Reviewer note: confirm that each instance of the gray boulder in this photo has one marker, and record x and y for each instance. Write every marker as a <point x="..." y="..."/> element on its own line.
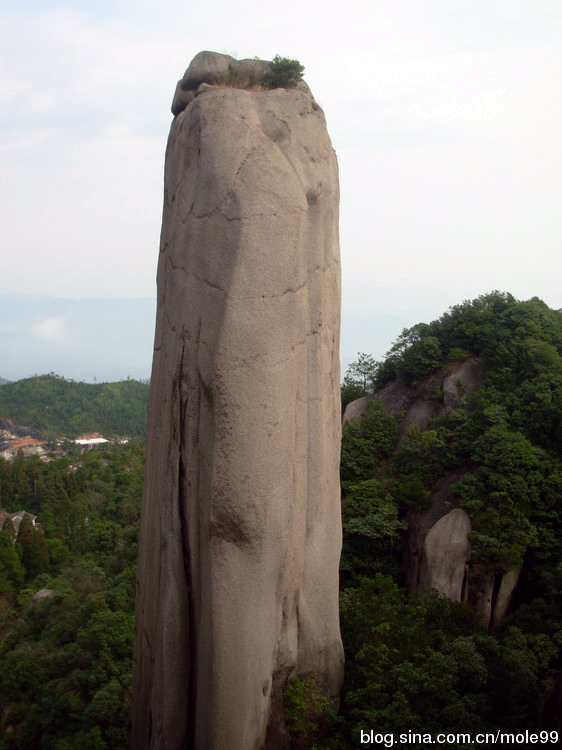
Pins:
<point x="355" y="408"/>
<point x="181" y="99"/>
<point x="241" y="530"/>
<point x="417" y="405"/>
<point x="252" y="69"/>
<point x="211" y="69"/>
<point x="207" y="67"/>
<point x="506" y="589"/>
<point x="464" y="381"/>
<point x="489" y="607"/>
<point x="446" y="552"/>
<point x="42" y="594"/>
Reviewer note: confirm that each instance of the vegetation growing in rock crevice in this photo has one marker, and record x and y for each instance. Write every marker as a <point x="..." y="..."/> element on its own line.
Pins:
<point x="308" y="713"/>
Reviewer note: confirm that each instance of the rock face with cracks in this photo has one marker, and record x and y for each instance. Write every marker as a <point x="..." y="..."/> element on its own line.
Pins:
<point x="240" y="532"/>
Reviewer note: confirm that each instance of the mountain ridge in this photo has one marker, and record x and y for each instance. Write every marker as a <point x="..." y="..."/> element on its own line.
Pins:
<point x="59" y="406"/>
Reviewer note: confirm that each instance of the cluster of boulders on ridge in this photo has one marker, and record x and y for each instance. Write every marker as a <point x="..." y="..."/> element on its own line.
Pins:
<point x="437" y="551"/>
<point x="209" y="70"/>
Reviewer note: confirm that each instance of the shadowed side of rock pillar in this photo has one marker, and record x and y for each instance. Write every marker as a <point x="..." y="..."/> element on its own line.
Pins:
<point x="240" y="531"/>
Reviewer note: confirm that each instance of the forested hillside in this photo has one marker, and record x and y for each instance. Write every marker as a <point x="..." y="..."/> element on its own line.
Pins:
<point x="416" y="661"/>
<point x="60" y="407"/>
<point x="66" y="658"/>
<point x="421" y="661"/>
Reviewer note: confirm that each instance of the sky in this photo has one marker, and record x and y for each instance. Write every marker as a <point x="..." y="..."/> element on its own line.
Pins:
<point x="445" y="116"/>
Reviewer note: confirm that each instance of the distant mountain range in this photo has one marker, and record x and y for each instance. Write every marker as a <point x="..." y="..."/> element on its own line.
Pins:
<point x="87" y="339"/>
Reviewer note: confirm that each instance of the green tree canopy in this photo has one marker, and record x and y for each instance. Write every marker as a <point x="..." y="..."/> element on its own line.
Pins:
<point x="284" y="73"/>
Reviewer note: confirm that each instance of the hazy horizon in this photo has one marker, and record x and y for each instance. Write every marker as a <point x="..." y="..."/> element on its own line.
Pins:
<point x="84" y="339"/>
<point x="445" y="118"/>
<point x="99" y="339"/>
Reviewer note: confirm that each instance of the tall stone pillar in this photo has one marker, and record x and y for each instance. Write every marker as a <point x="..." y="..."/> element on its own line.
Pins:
<point x="241" y="532"/>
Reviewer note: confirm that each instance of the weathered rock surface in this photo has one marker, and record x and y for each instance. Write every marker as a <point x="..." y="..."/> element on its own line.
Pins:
<point x="420" y="522"/>
<point x="355" y="408"/>
<point x="446" y="552"/>
<point x="417" y="405"/>
<point x="490" y="595"/>
<point x="464" y="381"/>
<point x="436" y="552"/>
<point x="508" y="584"/>
<point x="216" y="69"/>
<point x="241" y="531"/>
<point x="19" y="429"/>
<point x="42" y="594"/>
<point x="207" y="67"/>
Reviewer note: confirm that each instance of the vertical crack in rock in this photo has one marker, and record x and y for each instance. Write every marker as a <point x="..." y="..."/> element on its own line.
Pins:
<point x="241" y="530"/>
<point x="190" y="708"/>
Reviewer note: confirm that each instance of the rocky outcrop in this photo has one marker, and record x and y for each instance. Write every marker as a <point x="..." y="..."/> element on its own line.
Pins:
<point x="436" y="552"/>
<point x="446" y="552"/>
<point x="212" y="69"/>
<point x="490" y="595"/>
<point x="240" y="530"/>
<point x="465" y="380"/>
<point x="6" y="425"/>
<point x="440" y="392"/>
<point x="437" y="555"/>
<point x="9" y="434"/>
<point x="42" y="594"/>
<point x="420" y="523"/>
<point x="506" y="589"/>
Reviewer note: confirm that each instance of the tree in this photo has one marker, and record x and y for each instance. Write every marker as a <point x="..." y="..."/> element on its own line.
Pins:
<point x="421" y="358"/>
<point x="306" y="710"/>
<point x="361" y="374"/>
<point x="34" y="553"/>
<point x="284" y="73"/>
<point x="379" y="429"/>
<point x="367" y="511"/>
<point x="12" y="573"/>
<point x="499" y="496"/>
<point x="366" y="443"/>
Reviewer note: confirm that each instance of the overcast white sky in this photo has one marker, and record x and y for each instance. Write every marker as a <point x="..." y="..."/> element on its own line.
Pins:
<point x="445" y="115"/>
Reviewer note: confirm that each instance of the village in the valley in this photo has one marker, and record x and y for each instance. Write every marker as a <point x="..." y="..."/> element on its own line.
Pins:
<point x="15" y="438"/>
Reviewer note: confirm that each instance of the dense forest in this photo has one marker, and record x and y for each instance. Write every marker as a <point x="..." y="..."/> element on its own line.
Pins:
<point x="423" y="662"/>
<point x="66" y="658"/>
<point x="415" y="660"/>
<point x="60" y="407"/>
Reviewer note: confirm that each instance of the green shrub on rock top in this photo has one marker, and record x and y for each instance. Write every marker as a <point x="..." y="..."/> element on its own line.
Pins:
<point x="284" y="73"/>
